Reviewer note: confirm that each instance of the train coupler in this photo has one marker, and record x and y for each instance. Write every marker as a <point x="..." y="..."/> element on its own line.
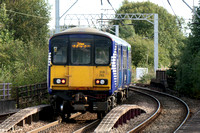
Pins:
<point x="100" y="106"/>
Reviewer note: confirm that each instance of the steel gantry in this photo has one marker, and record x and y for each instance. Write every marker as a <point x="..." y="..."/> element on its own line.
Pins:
<point x="103" y="20"/>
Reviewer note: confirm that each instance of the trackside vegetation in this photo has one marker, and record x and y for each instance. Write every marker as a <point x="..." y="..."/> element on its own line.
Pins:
<point x="188" y="68"/>
<point x="140" y="34"/>
<point x="178" y="52"/>
<point x="23" y="41"/>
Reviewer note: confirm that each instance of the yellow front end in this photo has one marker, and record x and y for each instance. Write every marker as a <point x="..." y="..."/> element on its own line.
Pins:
<point x="80" y="77"/>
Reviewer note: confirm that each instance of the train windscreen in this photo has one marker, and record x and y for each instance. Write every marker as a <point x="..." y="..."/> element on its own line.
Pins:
<point x="59" y="50"/>
<point x="81" y="49"/>
<point x="102" y="50"/>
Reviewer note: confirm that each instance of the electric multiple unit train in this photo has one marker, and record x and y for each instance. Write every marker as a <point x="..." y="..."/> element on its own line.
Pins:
<point x="88" y="70"/>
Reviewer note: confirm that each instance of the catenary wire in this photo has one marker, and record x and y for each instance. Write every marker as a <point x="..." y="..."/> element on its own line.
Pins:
<point x="174" y="13"/>
<point x="24" y="14"/>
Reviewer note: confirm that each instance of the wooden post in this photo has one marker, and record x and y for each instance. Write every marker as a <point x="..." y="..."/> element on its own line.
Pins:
<point x="4" y="89"/>
<point x="17" y="93"/>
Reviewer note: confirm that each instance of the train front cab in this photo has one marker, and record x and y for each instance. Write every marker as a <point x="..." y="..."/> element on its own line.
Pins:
<point x="80" y="72"/>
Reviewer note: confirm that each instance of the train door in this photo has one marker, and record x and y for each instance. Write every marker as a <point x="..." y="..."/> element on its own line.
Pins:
<point x="80" y="69"/>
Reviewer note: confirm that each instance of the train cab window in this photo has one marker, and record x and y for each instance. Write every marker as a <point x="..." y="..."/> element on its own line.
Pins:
<point x="59" y="50"/>
<point x="81" y="47"/>
<point x="101" y="55"/>
<point x="80" y="53"/>
<point x="102" y="50"/>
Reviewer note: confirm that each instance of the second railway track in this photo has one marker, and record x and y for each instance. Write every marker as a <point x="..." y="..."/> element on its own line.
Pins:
<point x="173" y="115"/>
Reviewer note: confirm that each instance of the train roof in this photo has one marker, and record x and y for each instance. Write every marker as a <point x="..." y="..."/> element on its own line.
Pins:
<point x="79" y="30"/>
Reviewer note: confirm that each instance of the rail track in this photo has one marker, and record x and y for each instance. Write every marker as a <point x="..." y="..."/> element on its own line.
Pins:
<point x="51" y="125"/>
<point x="174" y="112"/>
<point x="115" y="117"/>
<point x="168" y="115"/>
<point x="151" y="118"/>
<point x="106" y="125"/>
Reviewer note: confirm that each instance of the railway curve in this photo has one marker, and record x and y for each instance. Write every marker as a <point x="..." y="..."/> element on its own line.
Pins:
<point x="174" y="114"/>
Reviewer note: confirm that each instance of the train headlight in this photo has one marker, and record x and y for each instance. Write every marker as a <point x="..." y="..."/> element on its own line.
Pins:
<point x="101" y="81"/>
<point x="59" y="81"/>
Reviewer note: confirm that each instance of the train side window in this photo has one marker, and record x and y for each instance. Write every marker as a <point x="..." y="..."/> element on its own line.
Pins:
<point x="129" y="59"/>
<point x="119" y="53"/>
<point x="124" y="58"/>
<point x="59" y="50"/>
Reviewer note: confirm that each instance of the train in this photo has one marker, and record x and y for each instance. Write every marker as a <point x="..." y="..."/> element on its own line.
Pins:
<point x="88" y="70"/>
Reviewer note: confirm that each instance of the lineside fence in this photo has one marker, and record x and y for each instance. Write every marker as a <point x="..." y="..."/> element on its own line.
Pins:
<point x="31" y="95"/>
<point x="5" y="91"/>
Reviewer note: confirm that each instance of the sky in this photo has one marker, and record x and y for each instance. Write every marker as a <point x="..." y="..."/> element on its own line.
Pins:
<point x="94" y="7"/>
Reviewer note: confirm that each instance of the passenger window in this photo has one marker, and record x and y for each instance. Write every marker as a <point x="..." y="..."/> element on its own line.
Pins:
<point x="125" y="59"/>
<point x="129" y="58"/>
<point x="119" y="57"/>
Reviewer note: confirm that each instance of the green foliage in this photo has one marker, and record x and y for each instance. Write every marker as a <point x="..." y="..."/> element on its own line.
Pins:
<point x="26" y="65"/>
<point x="29" y="20"/>
<point x="23" y="42"/>
<point x="142" y="51"/>
<point x="30" y="66"/>
<point x="188" y="70"/>
<point x="170" y="35"/>
<point x="146" y="79"/>
<point x="5" y="34"/>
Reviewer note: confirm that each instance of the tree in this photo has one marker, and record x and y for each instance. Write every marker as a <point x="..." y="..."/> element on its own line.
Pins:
<point x="5" y="36"/>
<point x="29" y="20"/>
<point x="170" y="35"/>
<point x="23" y="41"/>
<point x="142" y="51"/>
<point x="188" y="69"/>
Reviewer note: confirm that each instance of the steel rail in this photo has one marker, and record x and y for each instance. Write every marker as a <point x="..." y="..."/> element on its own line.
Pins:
<point x="183" y="102"/>
<point x="89" y="126"/>
<point x="55" y="123"/>
<point x="142" y="125"/>
<point x="52" y="124"/>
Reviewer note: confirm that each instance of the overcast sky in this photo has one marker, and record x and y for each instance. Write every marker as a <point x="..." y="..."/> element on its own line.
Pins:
<point x="94" y="7"/>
